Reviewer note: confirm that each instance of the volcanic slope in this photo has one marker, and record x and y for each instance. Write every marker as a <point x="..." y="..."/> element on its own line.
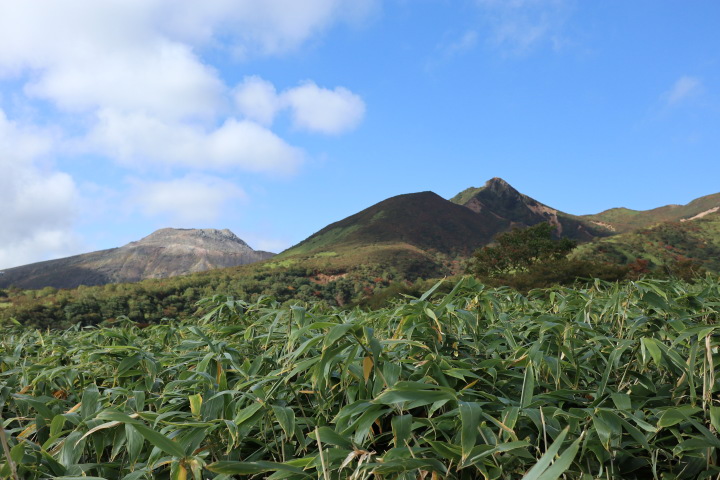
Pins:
<point x="499" y="198"/>
<point x="164" y="253"/>
<point x="402" y="231"/>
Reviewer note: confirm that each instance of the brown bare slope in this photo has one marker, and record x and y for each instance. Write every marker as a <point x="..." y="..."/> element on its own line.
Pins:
<point x="164" y="253"/>
<point x="423" y="220"/>
<point x="497" y="197"/>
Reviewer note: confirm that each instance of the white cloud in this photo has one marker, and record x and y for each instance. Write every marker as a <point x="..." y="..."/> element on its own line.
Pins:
<point x="140" y="140"/>
<point x="141" y="55"/>
<point x="274" y="26"/>
<point x="186" y="202"/>
<point x="133" y="68"/>
<point x="322" y="110"/>
<point x="39" y="204"/>
<point x="520" y="25"/>
<point x="257" y="100"/>
<point x="312" y="108"/>
<point x="684" y="88"/>
<point x="135" y="76"/>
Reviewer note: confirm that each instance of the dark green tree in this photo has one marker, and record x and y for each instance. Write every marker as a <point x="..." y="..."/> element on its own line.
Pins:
<point x="518" y="250"/>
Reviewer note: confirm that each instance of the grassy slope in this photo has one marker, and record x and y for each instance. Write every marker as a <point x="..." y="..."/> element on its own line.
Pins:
<point x="663" y="244"/>
<point x="421" y="226"/>
<point x="625" y="220"/>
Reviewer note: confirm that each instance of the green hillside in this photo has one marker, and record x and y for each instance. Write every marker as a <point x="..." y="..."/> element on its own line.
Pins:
<point x="623" y="220"/>
<point x="392" y="247"/>
<point x="663" y="245"/>
<point x="423" y="220"/>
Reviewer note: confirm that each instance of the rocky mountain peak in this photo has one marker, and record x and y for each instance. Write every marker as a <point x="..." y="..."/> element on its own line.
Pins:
<point x="164" y="253"/>
<point x="500" y="187"/>
<point x="191" y="236"/>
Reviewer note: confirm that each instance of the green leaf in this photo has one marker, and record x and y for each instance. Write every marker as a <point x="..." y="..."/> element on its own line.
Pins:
<point x="469" y="422"/>
<point x="161" y="441"/>
<point x="336" y="333"/>
<point x="134" y="443"/>
<point x="18" y="452"/>
<point x="83" y="477"/>
<point x="250" y="468"/>
<point x="561" y="464"/>
<point x="247" y="413"/>
<point x="673" y="416"/>
<point x="286" y="418"/>
<point x="115" y="416"/>
<point x="330" y="436"/>
<point x="715" y="417"/>
<point x="651" y="345"/>
<point x="528" y="386"/>
<point x="90" y="399"/>
<point x="535" y="473"/>
<point x="416" y="393"/>
<point x="401" y="427"/>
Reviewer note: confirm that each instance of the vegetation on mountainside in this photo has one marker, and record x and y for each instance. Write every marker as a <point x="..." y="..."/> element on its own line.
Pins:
<point x="669" y="247"/>
<point x="151" y="301"/>
<point x="532" y="258"/>
<point x="610" y="381"/>
<point x="423" y="221"/>
<point x="623" y="220"/>
<point x="519" y="250"/>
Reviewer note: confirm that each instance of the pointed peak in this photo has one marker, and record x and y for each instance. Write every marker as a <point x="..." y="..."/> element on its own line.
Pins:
<point x="497" y="181"/>
<point x="497" y="184"/>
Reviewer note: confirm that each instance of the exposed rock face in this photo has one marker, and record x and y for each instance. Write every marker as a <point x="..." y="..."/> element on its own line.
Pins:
<point x="499" y="198"/>
<point x="165" y="253"/>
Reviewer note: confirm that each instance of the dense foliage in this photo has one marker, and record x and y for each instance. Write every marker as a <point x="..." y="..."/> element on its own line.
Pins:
<point x="518" y="250"/>
<point x="678" y="248"/>
<point x="610" y="381"/>
<point x="152" y="301"/>
<point x="533" y="258"/>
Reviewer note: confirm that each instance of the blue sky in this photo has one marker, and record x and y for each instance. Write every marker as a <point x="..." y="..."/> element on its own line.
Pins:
<point x="276" y="118"/>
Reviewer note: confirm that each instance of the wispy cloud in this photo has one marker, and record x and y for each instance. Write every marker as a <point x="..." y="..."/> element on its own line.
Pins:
<point x="685" y="88"/>
<point x="466" y="42"/>
<point x="451" y="47"/>
<point x="188" y="202"/>
<point x="518" y="26"/>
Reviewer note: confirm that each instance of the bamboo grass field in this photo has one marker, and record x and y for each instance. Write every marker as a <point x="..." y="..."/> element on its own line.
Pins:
<point x="608" y="381"/>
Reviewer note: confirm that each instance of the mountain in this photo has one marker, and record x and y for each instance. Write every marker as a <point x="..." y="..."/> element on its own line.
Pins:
<point x="419" y="232"/>
<point x="500" y="199"/>
<point x="164" y="253"/>
<point x="424" y="234"/>
<point x="695" y="239"/>
<point x="622" y="220"/>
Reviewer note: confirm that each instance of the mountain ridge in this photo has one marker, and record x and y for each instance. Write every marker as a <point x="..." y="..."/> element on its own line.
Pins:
<point x="164" y="253"/>
<point x="417" y="234"/>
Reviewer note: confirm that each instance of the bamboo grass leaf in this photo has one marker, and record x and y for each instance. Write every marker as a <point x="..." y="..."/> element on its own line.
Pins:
<point x="160" y="441"/>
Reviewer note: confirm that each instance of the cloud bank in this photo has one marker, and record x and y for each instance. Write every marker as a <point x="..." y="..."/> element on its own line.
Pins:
<point x="135" y="78"/>
<point x="39" y="204"/>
